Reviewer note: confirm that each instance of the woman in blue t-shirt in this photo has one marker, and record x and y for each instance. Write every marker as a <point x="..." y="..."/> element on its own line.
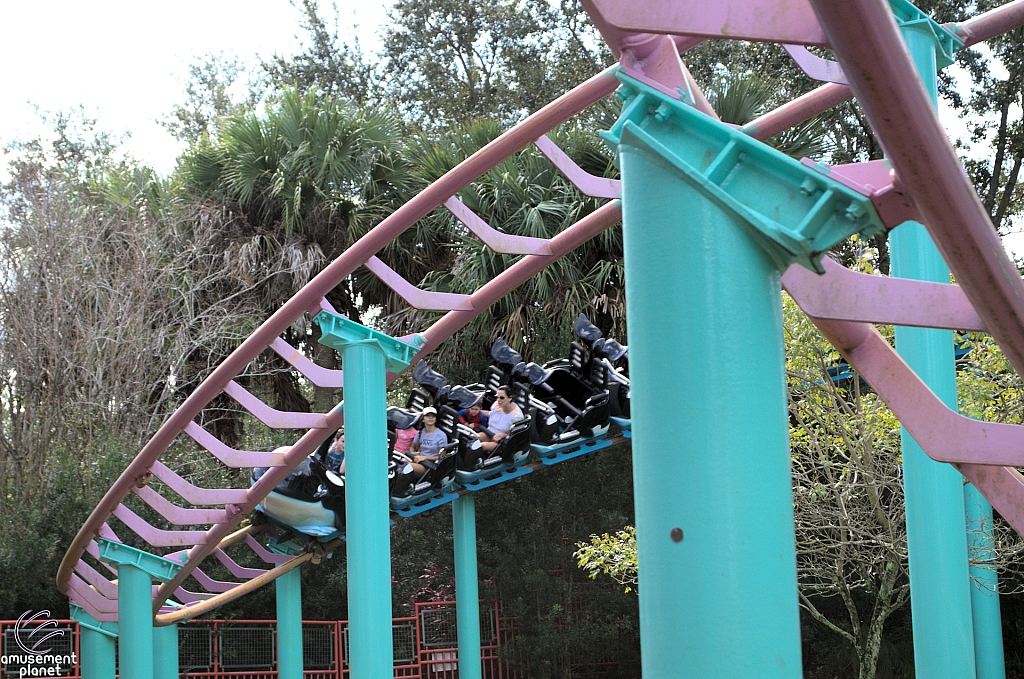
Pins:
<point x="427" y="444"/>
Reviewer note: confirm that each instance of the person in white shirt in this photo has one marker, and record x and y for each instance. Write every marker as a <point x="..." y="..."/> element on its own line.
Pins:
<point x="503" y="414"/>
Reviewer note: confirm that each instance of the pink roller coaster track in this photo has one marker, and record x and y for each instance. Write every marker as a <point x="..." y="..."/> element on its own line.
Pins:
<point x="925" y="183"/>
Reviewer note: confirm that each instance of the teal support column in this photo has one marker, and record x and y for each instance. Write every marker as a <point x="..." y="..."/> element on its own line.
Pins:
<point x="96" y="645"/>
<point x="467" y="592"/>
<point x="714" y="510"/>
<point x="136" y="571"/>
<point x="165" y="652"/>
<point x="710" y="218"/>
<point x="135" y="622"/>
<point x="365" y="356"/>
<point x="940" y="587"/>
<point x="97" y="651"/>
<point x="988" y="625"/>
<point x="288" y="590"/>
<point x="367" y="514"/>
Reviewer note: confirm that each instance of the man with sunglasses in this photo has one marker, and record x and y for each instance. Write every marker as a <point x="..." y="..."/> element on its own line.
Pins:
<point x="503" y="414"/>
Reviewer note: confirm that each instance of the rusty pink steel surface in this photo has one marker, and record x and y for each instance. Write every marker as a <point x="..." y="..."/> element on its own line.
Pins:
<point x="782" y="21"/>
<point x="799" y="110"/>
<point x="492" y="238"/>
<point x="841" y="294"/>
<point x="876" y="180"/>
<point x="321" y="377"/>
<point x="591" y="185"/>
<point x="990" y="24"/>
<point x="814" y="66"/>
<point x="867" y="42"/>
<point x="417" y="298"/>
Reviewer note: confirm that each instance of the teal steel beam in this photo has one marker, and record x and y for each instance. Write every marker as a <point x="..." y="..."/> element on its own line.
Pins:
<point x="367" y="514"/>
<point x="940" y="588"/>
<point x="988" y="626"/>
<point x="710" y="219"/>
<point x="135" y="622"/>
<point x="97" y="650"/>
<point x="714" y="508"/>
<point x="288" y="593"/>
<point x="366" y="355"/>
<point x="165" y="652"/>
<point x="467" y="592"/>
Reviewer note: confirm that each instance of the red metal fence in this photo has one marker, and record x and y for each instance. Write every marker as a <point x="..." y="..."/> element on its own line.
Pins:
<point x="425" y="646"/>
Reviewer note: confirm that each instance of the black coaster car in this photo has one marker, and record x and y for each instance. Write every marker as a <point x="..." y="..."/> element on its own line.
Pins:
<point x="311" y="499"/>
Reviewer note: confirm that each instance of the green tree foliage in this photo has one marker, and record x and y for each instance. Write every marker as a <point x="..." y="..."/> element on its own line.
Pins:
<point x="307" y="178"/>
<point x="327" y="63"/>
<point x="209" y="97"/>
<point x="454" y="60"/>
<point x="611" y="554"/>
<point x="115" y="303"/>
<point x="993" y="107"/>
<point x="310" y="163"/>
<point x="526" y="196"/>
<point x="848" y="495"/>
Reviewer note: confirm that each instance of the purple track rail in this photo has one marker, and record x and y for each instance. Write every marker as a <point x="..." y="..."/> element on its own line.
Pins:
<point x="927" y="184"/>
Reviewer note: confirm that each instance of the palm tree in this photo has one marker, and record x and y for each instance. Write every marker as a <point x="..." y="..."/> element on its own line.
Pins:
<point x="739" y="98"/>
<point x="307" y="177"/>
<point x="526" y="196"/>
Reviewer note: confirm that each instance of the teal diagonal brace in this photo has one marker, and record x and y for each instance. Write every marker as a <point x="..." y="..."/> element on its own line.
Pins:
<point x="946" y="42"/>
<point x="339" y="332"/>
<point x="119" y="554"/>
<point x="79" y="615"/>
<point x="795" y="213"/>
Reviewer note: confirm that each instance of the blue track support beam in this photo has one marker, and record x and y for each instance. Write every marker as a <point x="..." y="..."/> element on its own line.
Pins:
<point x="711" y="472"/>
<point x="288" y="592"/>
<point x="988" y="626"/>
<point x="365" y="356"/>
<point x="467" y="592"/>
<point x="367" y="514"/>
<point x="165" y="652"/>
<point x="136" y="571"/>
<point x="97" y="649"/>
<point x="135" y="622"/>
<point x="940" y="587"/>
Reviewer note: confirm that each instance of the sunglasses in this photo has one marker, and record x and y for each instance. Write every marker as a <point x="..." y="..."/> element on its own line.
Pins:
<point x="500" y="398"/>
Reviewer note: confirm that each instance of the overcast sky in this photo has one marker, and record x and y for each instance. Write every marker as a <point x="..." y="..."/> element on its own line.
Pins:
<point x="125" y="61"/>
